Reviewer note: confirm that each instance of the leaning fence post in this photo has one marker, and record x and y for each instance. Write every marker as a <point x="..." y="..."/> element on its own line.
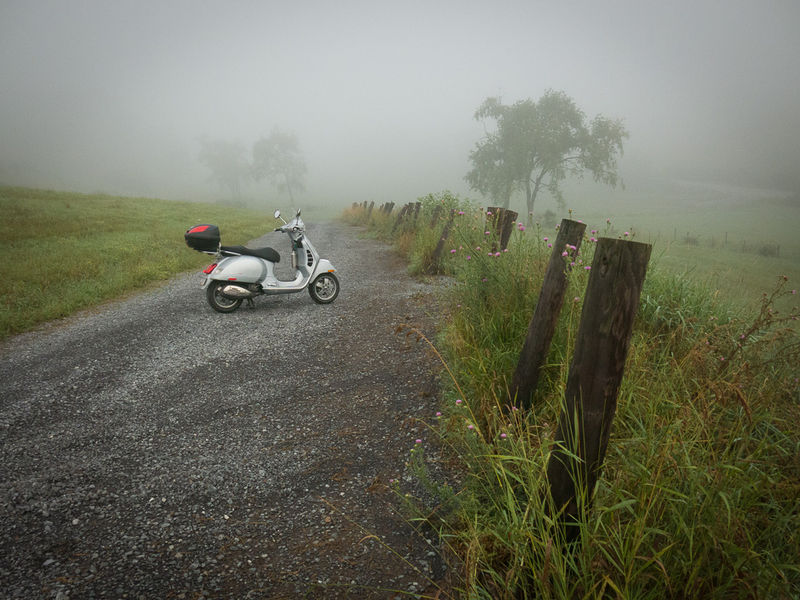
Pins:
<point x="543" y="323"/>
<point x="433" y="266"/>
<point x="502" y="220"/>
<point x="400" y="216"/>
<point x="437" y="211"/>
<point x="504" y="226"/>
<point x="590" y="399"/>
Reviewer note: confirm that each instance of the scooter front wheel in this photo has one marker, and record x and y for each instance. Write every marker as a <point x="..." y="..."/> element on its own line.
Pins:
<point x="218" y="301"/>
<point x="324" y="288"/>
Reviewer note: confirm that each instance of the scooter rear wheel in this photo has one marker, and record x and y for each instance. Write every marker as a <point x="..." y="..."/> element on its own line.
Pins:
<point x="220" y="302"/>
<point x="324" y="288"/>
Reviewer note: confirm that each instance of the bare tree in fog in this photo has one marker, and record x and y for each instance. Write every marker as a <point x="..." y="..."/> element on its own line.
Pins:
<point x="535" y="145"/>
<point x="278" y="159"/>
<point x="227" y="163"/>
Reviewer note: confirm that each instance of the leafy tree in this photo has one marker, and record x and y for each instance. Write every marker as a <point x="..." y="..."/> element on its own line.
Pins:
<point x="227" y="163"/>
<point x="278" y="158"/>
<point x="535" y="145"/>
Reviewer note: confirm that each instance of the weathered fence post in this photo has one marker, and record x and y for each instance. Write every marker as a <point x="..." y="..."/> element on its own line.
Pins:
<point x="502" y="220"/>
<point x="437" y="211"/>
<point x="543" y="324"/>
<point x="400" y="216"/>
<point x="590" y="398"/>
<point x="433" y="267"/>
<point x="417" y="206"/>
<point x="505" y="224"/>
<point x="369" y="208"/>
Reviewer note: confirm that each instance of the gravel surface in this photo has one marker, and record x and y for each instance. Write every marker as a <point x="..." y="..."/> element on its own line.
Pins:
<point x="154" y="448"/>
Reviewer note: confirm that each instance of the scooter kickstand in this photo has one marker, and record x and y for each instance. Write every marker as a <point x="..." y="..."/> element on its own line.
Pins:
<point x="250" y="303"/>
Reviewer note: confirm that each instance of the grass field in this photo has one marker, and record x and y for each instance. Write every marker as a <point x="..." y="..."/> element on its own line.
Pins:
<point x="699" y="495"/>
<point x="63" y="252"/>
<point x="736" y="241"/>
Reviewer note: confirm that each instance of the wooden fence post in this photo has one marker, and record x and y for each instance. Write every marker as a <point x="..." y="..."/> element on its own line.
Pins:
<point x="433" y="267"/>
<point x="590" y="401"/>
<point x="543" y="323"/>
<point x="369" y="208"/>
<point x="505" y="224"/>
<point x="400" y="216"/>
<point x="502" y="220"/>
<point x="437" y="211"/>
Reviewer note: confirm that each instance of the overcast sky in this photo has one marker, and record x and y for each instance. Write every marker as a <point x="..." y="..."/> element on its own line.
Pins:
<point x="114" y="95"/>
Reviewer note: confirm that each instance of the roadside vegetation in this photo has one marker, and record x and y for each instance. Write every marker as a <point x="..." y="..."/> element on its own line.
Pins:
<point x="699" y="495"/>
<point x="63" y="252"/>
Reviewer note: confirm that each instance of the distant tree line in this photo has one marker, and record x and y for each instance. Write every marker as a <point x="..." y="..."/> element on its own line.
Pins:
<point x="276" y="158"/>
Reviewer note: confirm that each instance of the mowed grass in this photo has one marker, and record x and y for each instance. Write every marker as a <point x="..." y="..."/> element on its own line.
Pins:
<point x="63" y="252"/>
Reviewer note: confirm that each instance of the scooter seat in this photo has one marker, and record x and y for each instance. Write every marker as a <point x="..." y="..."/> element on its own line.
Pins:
<point x="266" y="253"/>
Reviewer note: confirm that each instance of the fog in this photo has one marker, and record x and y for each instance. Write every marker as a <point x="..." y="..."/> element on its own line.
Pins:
<point x="116" y="96"/>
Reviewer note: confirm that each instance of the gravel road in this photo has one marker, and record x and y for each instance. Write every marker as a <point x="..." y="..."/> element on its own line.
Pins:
<point x="154" y="448"/>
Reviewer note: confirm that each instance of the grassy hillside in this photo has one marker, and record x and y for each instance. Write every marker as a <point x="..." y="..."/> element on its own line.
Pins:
<point x="699" y="496"/>
<point x="63" y="252"/>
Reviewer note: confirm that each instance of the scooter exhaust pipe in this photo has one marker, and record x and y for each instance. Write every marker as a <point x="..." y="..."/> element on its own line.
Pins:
<point x="236" y="291"/>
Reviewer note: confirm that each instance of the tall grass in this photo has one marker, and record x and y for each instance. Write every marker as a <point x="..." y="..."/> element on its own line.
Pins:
<point x="63" y="252"/>
<point x="700" y="491"/>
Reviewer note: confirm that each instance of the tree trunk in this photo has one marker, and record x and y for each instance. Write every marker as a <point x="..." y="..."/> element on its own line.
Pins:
<point x="531" y="195"/>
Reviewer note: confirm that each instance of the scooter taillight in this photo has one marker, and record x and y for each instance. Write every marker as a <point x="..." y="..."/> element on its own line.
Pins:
<point x="210" y="268"/>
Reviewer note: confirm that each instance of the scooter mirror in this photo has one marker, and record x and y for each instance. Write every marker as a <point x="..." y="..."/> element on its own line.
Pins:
<point x="298" y="212"/>
<point x="277" y="214"/>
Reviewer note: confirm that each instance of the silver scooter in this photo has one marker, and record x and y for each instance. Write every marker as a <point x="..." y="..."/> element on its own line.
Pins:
<point x="239" y="273"/>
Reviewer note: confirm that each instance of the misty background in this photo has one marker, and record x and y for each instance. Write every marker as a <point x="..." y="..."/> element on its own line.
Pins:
<point x="116" y="96"/>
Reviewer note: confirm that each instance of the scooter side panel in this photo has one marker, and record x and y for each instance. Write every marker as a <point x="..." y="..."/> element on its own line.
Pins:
<point x="245" y="269"/>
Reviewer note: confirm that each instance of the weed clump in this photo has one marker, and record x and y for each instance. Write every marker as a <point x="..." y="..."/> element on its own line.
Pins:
<point x="699" y="492"/>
